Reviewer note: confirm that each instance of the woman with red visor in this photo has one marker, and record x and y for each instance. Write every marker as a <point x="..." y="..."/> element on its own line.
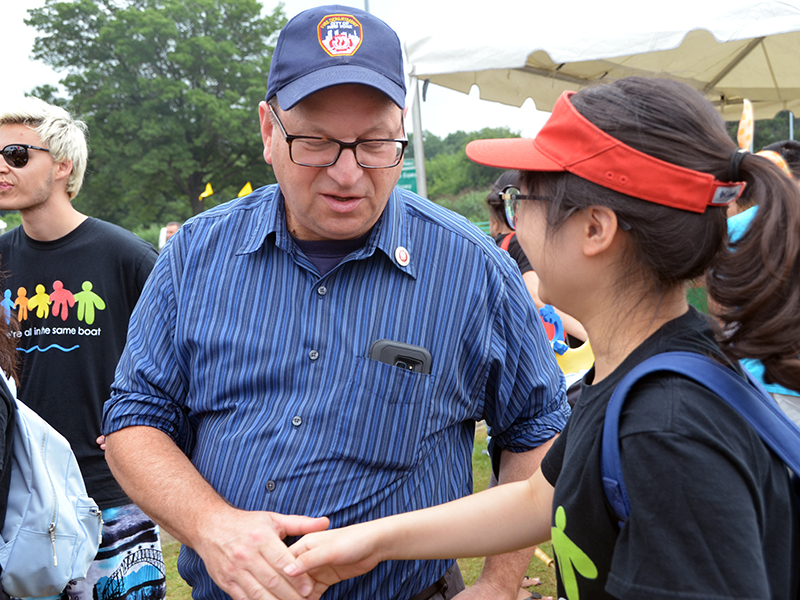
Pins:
<point x="622" y="201"/>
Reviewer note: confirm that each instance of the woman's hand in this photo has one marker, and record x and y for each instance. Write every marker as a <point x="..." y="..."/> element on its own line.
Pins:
<point x="338" y="554"/>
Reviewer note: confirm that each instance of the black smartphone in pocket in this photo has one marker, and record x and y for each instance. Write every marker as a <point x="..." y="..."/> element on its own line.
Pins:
<point x="403" y="356"/>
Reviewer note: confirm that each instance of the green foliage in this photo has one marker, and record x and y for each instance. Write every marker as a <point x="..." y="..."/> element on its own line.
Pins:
<point x="470" y="203"/>
<point x="447" y="167"/>
<point x="765" y="131"/>
<point x="149" y="233"/>
<point x="12" y="219"/>
<point x="169" y="90"/>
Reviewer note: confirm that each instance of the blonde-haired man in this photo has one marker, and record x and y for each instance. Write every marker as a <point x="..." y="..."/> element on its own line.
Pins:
<point x="73" y="281"/>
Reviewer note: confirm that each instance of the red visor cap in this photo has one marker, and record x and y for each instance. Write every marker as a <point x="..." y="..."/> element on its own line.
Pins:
<point x="570" y="142"/>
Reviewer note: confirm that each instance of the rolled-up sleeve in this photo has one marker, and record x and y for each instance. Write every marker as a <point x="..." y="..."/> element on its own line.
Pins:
<point x="150" y="383"/>
<point x="525" y="401"/>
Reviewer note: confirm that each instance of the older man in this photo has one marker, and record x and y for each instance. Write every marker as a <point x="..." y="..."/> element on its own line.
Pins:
<point x="324" y="346"/>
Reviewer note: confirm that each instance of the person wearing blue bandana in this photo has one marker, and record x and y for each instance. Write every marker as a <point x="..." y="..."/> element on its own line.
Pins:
<point x="324" y="346"/>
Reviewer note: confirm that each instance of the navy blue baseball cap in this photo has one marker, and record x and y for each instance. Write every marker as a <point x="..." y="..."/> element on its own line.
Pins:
<point x="334" y="45"/>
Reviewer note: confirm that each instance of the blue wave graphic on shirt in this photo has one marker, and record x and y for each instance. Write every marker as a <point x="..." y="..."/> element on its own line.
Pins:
<point x="32" y="348"/>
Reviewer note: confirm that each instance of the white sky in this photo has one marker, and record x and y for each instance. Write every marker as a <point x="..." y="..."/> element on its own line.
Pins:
<point x="444" y="111"/>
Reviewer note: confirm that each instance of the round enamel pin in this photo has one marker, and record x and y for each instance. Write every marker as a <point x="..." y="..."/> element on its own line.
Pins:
<point x="402" y="257"/>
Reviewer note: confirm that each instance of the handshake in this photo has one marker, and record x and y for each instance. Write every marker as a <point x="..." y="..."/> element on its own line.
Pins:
<point x="255" y="564"/>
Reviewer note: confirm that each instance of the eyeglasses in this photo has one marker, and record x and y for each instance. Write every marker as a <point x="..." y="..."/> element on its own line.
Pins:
<point x="16" y="155"/>
<point x="510" y="195"/>
<point x="310" y="151"/>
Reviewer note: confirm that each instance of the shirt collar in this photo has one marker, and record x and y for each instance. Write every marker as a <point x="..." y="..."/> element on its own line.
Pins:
<point x="391" y="234"/>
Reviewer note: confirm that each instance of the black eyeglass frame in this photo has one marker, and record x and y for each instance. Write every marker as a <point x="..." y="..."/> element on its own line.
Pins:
<point x="342" y="145"/>
<point x="511" y="195"/>
<point x="6" y="154"/>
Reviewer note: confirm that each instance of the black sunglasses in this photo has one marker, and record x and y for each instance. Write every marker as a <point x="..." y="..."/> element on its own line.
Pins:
<point x="16" y="155"/>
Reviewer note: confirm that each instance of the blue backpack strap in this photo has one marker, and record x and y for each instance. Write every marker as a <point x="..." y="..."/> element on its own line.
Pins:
<point x="779" y="432"/>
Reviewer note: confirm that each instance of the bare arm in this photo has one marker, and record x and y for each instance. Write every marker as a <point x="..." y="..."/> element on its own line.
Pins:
<point x="502" y="575"/>
<point x="242" y="550"/>
<point x="518" y="512"/>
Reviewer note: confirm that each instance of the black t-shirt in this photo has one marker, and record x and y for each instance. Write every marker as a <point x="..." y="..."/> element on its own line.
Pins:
<point x="516" y="252"/>
<point x="73" y="298"/>
<point x="711" y="514"/>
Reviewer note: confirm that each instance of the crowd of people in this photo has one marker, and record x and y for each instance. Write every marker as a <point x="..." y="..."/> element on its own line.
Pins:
<point x="290" y="386"/>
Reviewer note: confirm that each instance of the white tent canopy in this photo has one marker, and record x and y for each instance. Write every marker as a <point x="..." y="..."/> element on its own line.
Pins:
<point x="729" y="50"/>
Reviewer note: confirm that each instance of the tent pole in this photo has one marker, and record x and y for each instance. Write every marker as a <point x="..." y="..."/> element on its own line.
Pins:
<point x="419" y="145"/>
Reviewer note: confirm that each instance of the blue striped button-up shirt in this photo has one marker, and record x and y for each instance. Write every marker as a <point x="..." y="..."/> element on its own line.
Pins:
<point x="258" y="369"/>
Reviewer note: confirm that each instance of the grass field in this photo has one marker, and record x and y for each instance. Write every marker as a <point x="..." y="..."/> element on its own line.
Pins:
<point x="177" y="589"/>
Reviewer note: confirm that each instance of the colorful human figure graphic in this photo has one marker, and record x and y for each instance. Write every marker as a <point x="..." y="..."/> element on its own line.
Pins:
<point x="88" y="301"/>
<point x="22" y="303"/>
<point x="41" y="302"/>
<point x="570" y="558"/>
<point x="8" y="305"/>
<point x="61" y="299"/>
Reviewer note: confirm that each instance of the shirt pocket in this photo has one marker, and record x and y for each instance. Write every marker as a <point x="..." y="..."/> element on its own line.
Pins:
<point x="383" y="415"/>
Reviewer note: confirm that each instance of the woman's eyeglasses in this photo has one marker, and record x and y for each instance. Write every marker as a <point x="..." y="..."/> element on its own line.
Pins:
<point x="16" y="155"/>
<point x="511" y="196"/>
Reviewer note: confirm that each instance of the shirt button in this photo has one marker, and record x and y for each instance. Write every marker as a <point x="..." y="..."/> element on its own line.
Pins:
<point x="270" y="485"/>
<point x="313" y="355"/>
<point x="297" y="421"/>
<point x="322" y="290"/>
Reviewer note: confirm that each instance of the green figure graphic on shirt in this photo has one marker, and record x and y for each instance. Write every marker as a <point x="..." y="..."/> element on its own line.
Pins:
<point x="570" y="558"/>
<point x="41" y="302"/>
<point x="88" y="301"/>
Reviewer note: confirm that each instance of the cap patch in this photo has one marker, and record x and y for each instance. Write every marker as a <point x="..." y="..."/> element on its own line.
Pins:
<point x="340" y="35"/>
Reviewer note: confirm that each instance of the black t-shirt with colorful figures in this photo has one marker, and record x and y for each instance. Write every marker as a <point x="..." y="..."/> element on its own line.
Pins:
<point x="73" y="298"/>
<point x="710" y="512"/>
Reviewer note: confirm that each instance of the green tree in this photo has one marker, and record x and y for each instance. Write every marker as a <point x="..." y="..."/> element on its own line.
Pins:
<point x="169" y="90"/>
<point x="448" y="169"/>
<point x="766" y="131"/>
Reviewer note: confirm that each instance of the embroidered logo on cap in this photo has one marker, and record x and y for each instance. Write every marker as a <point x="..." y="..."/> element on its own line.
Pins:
<point x="340" y="35"/>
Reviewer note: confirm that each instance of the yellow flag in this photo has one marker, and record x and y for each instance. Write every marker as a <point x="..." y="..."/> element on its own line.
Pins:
<point x="746" y="126"/>
<point x="247" y="189"/>
<point x="208" y="191"/>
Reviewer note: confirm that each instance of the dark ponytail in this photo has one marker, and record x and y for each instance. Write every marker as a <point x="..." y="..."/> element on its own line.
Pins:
<point x="757" y="283"/>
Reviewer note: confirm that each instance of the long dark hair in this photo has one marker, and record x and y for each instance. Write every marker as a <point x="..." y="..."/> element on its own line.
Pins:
<point x="757" y="280"/>
<point x="8" y="346"/>
<point x="496" y="205"/>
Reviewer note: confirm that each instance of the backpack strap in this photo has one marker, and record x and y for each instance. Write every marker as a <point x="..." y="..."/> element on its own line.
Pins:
<point x="751" y="401"/>
<point x="507" y="241"/>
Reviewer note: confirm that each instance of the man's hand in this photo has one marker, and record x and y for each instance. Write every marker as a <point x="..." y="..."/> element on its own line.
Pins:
<point x="244" y="554"/>
<point x="485" y="591"/>
<point x="482" y="591"/>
